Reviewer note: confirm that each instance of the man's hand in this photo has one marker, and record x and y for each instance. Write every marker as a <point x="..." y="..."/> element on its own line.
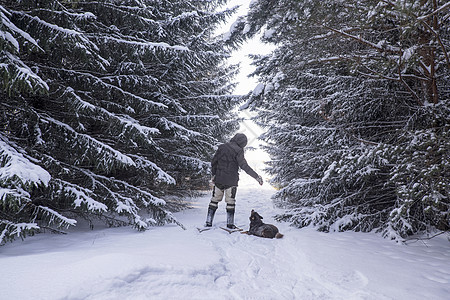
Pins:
<point x="260" y="180"/>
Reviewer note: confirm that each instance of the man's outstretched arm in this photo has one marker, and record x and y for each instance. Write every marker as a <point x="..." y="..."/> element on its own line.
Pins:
<point x="242" y="162"/>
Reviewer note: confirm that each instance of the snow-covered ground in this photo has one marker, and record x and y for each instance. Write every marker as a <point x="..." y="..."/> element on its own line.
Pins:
<point x="172" y="263"/>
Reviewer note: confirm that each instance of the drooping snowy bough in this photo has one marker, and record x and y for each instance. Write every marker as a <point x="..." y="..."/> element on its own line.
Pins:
<point x="356" y="102"/>
<point x="108" y="107"/>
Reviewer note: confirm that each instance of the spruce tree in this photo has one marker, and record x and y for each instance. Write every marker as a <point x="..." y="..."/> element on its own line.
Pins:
<point x="108" y="108"/>
<point x="355" y="104"/>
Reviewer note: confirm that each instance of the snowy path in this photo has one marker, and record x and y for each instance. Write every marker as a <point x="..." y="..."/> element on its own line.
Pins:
<point x="171" y="263"/>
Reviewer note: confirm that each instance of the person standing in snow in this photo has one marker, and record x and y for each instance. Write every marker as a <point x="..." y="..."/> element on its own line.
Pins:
<point x="225" y="176"/>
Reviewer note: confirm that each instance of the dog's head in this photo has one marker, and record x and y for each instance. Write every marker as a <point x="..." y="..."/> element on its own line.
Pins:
<point x="255" y="217"/>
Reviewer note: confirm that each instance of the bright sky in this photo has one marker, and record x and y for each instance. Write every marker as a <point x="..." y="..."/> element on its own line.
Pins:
<point x="246" y="84"/>
<point x="253" y="46"/>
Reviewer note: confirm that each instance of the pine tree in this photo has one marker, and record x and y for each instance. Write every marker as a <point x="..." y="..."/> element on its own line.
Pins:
<point x="346" y="102"/>
<point x="108" y="107"/>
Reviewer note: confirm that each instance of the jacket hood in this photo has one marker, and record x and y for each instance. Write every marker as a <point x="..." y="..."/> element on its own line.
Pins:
<point x="240" y="139"/>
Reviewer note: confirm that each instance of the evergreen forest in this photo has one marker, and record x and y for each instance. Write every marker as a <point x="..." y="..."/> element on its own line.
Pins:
<point x="356" y="105"/>
<point x="111" y="110"/>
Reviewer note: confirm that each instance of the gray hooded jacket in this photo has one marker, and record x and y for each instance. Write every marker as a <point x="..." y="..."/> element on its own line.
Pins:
<point x="227" y="160"/>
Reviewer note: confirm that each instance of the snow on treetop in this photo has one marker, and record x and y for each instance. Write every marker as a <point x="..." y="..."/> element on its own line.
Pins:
<point x="253" y="2"/>
<point x="227" y="35"/>
<point x="258" y="89"/>
<point x="269" y="33"/>
<point x="184" y="15"/>
<point x="246" y="29"/>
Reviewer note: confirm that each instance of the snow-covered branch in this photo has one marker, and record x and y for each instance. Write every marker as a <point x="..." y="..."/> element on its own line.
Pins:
<point x="20" y="76"/>
<point x="91" y="144"/>
<point x="96" y="80"/>
<point x="14" y="29"/>
<point x="15" y="165"/>
<point x="443" y="8"/>
<point x="380" y="47"/>
<point x="126" y="121"/>
<point x="135" y="95"/>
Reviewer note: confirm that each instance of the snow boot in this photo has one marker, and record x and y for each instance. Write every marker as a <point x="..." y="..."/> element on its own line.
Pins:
<point x="230" y="219"/>
<point x="210" y="216"/>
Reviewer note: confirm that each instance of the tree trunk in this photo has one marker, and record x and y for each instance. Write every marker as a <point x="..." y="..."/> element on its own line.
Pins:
<point x="428" y="54"/>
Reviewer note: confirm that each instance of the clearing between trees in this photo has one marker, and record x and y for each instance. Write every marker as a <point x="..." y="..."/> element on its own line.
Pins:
<point x="172" y="263"/>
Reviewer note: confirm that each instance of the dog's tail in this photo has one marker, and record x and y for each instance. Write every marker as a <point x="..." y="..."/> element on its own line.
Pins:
<point x="279" y="235"/>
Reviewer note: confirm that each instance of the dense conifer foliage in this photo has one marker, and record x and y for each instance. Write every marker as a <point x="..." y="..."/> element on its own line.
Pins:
<point x="356" y="103"/>
<point x="107" y="108"/>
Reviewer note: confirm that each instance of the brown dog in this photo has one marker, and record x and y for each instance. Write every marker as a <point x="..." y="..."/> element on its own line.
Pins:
<point x="258" y="228"/>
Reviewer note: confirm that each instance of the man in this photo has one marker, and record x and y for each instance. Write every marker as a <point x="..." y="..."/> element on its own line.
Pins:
<point x="225" y="176"/>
